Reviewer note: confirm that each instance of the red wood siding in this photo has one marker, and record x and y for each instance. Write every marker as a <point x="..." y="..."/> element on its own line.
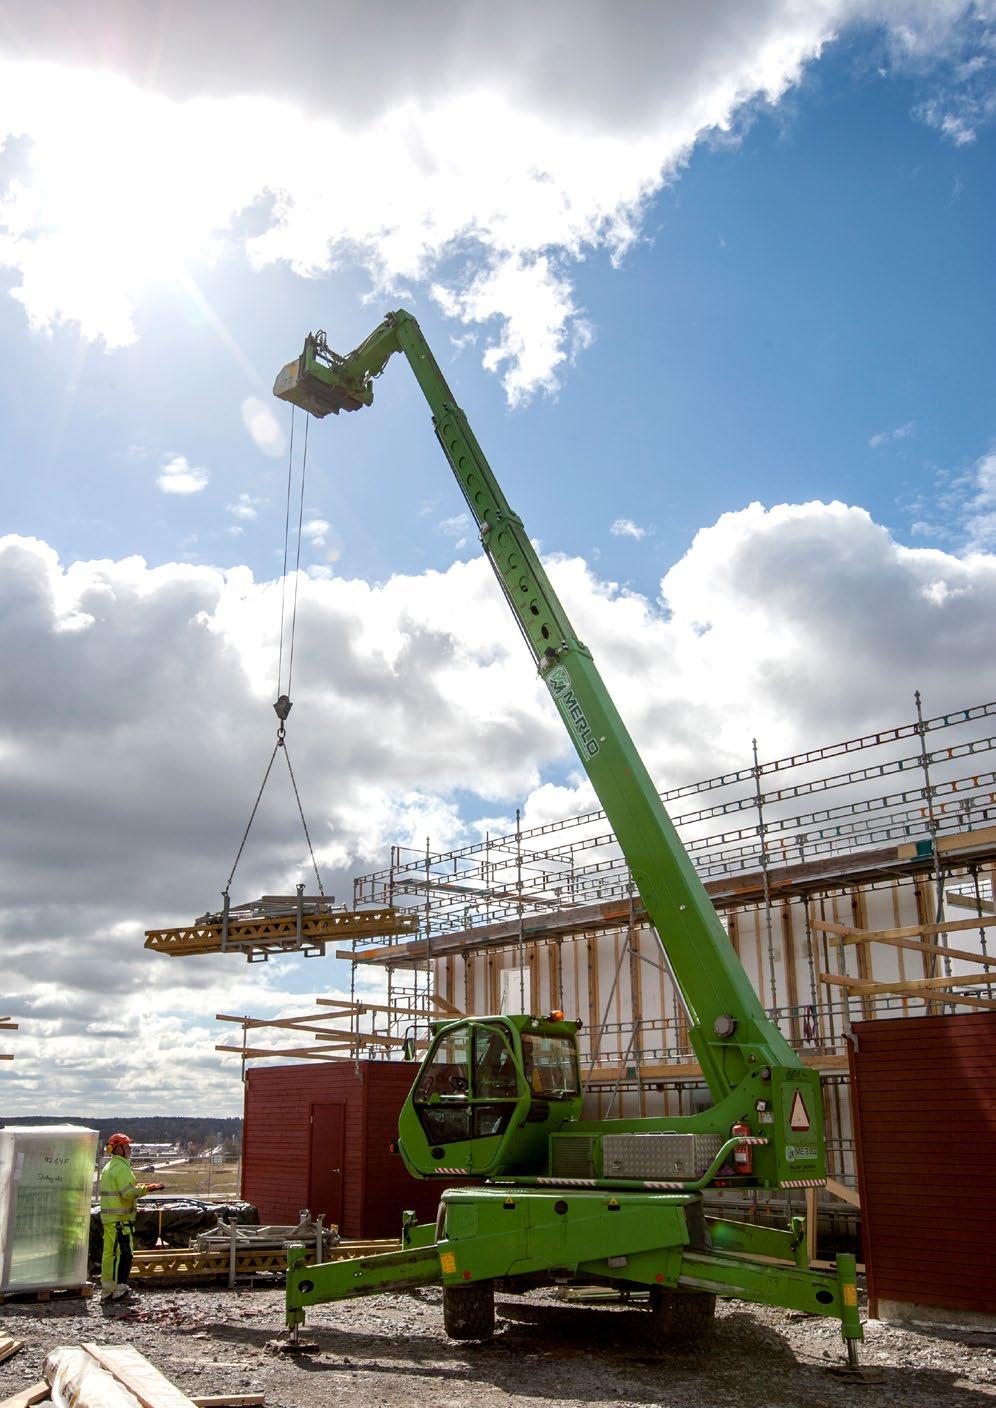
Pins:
<point x="276" y="1144"/>
<point x="389" y="1189"/>
<point x="925" y="1114"/>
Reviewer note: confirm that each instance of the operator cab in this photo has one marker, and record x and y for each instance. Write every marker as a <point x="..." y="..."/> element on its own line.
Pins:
<point x="489" y="1093"/>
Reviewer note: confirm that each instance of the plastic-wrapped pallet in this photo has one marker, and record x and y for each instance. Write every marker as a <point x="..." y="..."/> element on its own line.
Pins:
<point x="46" y="1185"/>
<point x="78" y="1381"/>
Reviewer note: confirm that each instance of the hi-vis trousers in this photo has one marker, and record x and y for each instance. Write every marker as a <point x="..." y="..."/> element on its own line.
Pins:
<point x="119" y="1243"/>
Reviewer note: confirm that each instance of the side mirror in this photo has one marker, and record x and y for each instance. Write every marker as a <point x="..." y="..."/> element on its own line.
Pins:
<point x="409" y="1048"/>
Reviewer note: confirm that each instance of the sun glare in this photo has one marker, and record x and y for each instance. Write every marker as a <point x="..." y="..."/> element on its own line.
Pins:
<point x="120" y="189"/>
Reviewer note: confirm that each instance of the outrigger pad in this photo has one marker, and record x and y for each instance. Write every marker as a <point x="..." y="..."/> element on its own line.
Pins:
<point x="289" y="1346"/>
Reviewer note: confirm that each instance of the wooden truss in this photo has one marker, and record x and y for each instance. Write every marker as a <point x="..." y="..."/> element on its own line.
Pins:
<point x="259" y="936"/>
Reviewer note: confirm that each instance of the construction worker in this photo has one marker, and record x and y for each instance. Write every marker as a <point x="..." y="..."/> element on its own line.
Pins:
<point x="119" y="1193"/>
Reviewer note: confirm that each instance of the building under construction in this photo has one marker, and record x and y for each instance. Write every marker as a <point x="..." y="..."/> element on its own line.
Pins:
<point x="855" y="881"/>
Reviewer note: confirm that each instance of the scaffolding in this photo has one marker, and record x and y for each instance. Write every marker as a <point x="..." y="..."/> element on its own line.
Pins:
<point x="917" y="781"/>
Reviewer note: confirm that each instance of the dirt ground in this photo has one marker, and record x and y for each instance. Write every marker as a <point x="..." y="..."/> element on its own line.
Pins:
<point x="389" y="1351"/>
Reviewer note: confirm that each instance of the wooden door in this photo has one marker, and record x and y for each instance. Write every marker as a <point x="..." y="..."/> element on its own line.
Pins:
<point x="325" y="1184"/>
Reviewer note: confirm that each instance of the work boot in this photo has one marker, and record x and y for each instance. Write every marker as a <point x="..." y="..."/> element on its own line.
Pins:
<point x="108" y="1289"/>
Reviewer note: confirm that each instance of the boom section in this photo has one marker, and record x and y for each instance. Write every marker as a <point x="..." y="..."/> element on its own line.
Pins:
<point x="729" y="1032"/>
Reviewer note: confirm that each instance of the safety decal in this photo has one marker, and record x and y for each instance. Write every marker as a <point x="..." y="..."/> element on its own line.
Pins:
<point x="799" y="1115"/>
<point x="448" y="1262"/>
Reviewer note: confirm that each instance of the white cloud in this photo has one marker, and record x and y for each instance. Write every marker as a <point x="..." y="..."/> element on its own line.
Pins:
<point x="246" y="507"/>
<point x="494" y="161"/>
<point x="316" y="531"/>
<point x="456" y="526"/>
<point x="626" y="528"/>
<point x="960" y="508"/>
<point x="264" y="428"/>
<point x="887" y="437"/>
<point x="980" y="515"/>
<point x="177" y="476"/>
<point x="408" y="694"/>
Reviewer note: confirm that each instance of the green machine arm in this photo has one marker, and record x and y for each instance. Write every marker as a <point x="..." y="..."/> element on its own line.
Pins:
<point x="729" y="1031"/>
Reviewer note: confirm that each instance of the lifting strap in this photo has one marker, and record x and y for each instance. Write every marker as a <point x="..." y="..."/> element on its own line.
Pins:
<point x="283" y="704"/>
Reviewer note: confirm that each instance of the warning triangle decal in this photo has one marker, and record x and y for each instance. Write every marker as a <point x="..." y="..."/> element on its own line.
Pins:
<point x="799" y="1117"/>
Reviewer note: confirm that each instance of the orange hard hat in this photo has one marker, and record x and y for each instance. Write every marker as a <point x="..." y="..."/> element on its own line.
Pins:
<point x="118" y="1141"/>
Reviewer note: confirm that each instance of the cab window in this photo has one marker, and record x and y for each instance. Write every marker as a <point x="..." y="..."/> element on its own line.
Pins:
<point x="447" y="1072"/>
<point x="550" y="1065"/>
<point x="494" y="1066"/>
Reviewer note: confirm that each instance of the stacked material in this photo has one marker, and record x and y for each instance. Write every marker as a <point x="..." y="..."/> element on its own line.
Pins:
<point x="46" y="1183"/>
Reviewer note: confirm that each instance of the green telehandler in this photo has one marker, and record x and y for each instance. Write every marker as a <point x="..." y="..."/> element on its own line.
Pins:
<point x="562" y="1199"/>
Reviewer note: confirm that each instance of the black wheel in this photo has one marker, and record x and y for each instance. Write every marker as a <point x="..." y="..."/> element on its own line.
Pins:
<point x="680" y="1317"/>
<point x="469" y="1311"/>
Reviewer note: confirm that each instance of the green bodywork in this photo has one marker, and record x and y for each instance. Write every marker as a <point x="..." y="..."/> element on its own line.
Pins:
<point x="626" y="1230"/>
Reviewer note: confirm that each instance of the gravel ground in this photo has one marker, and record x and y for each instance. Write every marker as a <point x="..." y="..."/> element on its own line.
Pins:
<point x="391" y="1350"/>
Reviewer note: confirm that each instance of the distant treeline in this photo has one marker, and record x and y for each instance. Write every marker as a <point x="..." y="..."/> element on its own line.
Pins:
<point x="195" y="1131"/>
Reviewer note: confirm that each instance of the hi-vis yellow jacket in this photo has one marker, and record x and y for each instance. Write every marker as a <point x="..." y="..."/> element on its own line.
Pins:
<point x="119" y="1191"/>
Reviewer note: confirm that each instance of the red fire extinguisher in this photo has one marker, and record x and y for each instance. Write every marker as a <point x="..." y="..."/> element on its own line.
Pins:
<point x="743" y="1154"/>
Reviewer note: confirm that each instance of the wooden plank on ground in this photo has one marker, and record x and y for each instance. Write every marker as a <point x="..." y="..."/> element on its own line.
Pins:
<point x="9" y="1347"/>
<point x="131" y="1368"/>
<point x="27" y="1396"/>
<point x="229" y="1400"/>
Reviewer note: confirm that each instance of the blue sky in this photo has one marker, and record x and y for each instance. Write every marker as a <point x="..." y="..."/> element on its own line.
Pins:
<point x="820" y="279"/>
<point x="722" y="258"/>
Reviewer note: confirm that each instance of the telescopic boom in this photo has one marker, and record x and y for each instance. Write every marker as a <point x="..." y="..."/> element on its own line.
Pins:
<point x="731" y="1036"/>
